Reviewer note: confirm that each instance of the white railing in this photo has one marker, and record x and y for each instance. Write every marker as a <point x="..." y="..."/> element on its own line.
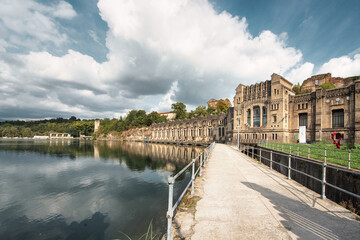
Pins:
<point x="203" y="157"/>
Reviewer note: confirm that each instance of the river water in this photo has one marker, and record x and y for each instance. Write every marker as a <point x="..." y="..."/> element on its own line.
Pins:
<point x="86" y="190"/>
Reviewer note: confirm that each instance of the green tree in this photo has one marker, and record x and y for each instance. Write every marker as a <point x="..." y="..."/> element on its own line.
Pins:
<point x="297" y="88"/>
<point x="211" y="110"/>
<point x="222" y="106"/>
<point x="179" y="109"/>
<point x="200" y="111"/>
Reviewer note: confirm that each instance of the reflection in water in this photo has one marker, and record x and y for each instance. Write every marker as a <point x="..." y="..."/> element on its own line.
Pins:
<point x="52" y="189"/>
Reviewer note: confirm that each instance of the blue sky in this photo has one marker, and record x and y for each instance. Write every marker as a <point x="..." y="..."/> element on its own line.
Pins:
<point x="102" y="58"/>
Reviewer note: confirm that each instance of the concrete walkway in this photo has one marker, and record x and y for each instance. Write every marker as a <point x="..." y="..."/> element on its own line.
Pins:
<point x="242" y="199"/>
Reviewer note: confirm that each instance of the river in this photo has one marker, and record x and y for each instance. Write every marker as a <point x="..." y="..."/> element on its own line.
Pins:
<point x="86" y="190"/>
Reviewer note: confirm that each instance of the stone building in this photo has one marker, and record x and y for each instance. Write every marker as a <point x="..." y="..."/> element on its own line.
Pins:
<point x="270" y="111"/>
<point x="203" y="129"/>
<point x="169" y="115"/>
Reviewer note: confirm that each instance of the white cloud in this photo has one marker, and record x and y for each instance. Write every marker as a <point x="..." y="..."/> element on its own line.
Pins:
<point x="299" y="74"/>
<point x="63" y="10"/>
<point x="167" y="100"/>
<point x="176" y="50"/>
<point x="27" y="23"/>
<point x="342" y="67"/>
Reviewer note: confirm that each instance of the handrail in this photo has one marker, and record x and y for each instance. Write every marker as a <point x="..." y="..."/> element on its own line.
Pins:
<point x="324" y="165"/>
<point x="347" y="157"/>
<point x="203" y="158"/>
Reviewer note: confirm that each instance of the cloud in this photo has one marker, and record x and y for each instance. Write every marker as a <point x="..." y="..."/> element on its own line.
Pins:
<point x="29" y="24"/>
<point x="299" y="74"/>
<point x="181" y="43"/>
<point x="344" y="66"/>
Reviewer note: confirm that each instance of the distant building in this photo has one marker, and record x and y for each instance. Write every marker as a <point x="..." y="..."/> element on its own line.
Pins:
<point x="213" y="102"/>
<point x="169" y="115"/>
<point x="60" y="136"/>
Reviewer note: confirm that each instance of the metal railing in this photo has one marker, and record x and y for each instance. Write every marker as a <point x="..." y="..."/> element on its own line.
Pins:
<point x="347" y="158"/>
<point x="249" y="151"/>
<point x="203" y="158"/>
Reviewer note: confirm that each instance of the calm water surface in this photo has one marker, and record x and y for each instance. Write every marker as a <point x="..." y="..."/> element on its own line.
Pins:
<point x="86" y="190"/>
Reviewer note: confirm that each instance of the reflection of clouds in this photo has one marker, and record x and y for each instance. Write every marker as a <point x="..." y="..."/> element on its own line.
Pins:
<point x="42" y="186"/>
<point x="73" y="189"/>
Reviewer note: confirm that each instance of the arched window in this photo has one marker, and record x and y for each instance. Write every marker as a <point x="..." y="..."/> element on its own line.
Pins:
<point x="249" y="116"/>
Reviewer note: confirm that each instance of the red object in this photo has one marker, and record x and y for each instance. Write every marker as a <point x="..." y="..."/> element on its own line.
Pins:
<point x="335" y="136"/>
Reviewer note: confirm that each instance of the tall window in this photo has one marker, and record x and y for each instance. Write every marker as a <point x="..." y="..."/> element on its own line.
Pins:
<point x="256" y="117"/>
<point x="264" y="116"/>
<point x="303" y="119"/>
<point x="249" y="116"/>
<point x="338" y="118"/>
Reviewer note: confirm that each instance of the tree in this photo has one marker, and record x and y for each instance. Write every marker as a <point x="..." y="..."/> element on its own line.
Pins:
<point x="179" y="109"/>
<point x="211" y="110"/>
<point x="154" y="117"/>
<point x="222" y="106"/>
<point x="200" y="111"/>
<point x="297" y="89"/>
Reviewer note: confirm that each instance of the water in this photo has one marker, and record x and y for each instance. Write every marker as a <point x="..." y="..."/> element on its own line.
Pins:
<point x="86" y="190"/>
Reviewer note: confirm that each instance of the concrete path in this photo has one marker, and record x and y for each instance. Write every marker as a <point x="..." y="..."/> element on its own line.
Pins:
<point x="242" y="199"/>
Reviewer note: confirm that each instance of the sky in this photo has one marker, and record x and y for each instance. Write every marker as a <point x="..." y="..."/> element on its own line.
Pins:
<point x="103" y="58"/>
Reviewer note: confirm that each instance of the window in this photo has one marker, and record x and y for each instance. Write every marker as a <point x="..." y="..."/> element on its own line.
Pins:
<point x="256" y="117"/>
<point x="274" y="91"/>
<point x="338" y="118"/>
<point x="306" y="105"/>
<point x="298" y="106"/>
<point x="264" y="116"/>
<point x="303" y="119"/>
<point x="274" y="118"/>
<point x="249" y="116"/>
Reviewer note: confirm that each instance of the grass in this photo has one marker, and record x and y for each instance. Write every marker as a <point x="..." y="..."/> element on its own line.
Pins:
<point x="149" y="235"/>
<point x="317" y="151"/>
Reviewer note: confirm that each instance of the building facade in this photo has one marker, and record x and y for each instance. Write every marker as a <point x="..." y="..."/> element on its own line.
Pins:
<point x="270" y="110"/>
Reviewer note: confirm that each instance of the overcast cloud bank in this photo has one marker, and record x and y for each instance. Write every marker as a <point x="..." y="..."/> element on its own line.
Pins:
<point x="160" y="51"/>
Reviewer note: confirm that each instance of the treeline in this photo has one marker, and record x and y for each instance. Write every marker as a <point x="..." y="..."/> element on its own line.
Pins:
<point x="77" y="127"/>
<point x="72" y="125"/>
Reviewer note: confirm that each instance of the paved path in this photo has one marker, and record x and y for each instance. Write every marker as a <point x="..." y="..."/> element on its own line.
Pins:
<point x="242" y="199"/>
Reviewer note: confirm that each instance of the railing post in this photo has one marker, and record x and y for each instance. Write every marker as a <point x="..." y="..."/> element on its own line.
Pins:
<point x="192" y="176"/>
<point x="200" y="165"/>
<point x="170" y="212"/>
<point x="323" y="182"/>
<point x="271" y="159"/>
<point x="298" y="150"/>
<point x="253" y="152"/>
<point x="289" y="167"/>
<point x="349" y="159"/>
<point x="260" y="155"/>
<point x="205" y="158"/>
